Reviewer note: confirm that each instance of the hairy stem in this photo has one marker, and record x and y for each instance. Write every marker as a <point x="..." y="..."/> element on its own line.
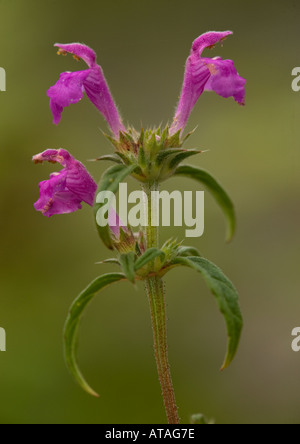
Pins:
<point x="156" y="296"/>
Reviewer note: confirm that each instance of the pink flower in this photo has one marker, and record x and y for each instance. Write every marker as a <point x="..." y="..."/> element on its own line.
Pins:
<point x="63" y="192"/>
<point x="204" y="74"/>
<point x="71" y="86"/>
<point x="115" y="224"/>
<point x="122" y="237"/>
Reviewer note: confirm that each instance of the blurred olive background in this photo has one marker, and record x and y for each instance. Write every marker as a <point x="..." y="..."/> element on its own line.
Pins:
<point x="254" y="151"/>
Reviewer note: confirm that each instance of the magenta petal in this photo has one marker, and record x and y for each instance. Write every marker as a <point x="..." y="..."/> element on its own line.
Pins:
<point x="81" y="183"/>
<point x="64" y="191"/>
<point x="98" y="92"/>
<point x="115" y="224"/>
<point x="209" y="40"/>
<point x="82" y="51"/>
<point x="195" y="79"/>
<point x="56" y="111"/>
<point x="206" y="74"/>
<point x="55" y="198"/>
<point x="71" y="86"/>
<point x="68" y="89"/>
<point x="225" y="80"/>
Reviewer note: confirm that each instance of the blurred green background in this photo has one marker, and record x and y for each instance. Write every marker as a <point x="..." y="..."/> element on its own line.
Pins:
<point x="254" y="151"/>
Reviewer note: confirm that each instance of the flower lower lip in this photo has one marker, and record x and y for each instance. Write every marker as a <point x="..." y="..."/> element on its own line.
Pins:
<point x="64" y="191"/>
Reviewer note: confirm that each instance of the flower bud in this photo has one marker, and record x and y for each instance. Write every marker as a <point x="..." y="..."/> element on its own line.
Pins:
<point x="122" y="237"/>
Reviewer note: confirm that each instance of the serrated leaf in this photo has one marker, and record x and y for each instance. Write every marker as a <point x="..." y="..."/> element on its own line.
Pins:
<point x="127" y="262"/>
<point x="73" y="321"/>
<point x="110" y="182"/>
<point x="227" y="299"/>
<point x="216" y="190"/>
<point x="147" y="257"/>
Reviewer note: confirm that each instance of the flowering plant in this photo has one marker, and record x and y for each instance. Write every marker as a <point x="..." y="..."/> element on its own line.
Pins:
<point x="151" y="157"/>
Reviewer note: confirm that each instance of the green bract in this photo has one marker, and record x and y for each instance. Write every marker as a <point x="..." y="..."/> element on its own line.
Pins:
<point x="155" y="154"/>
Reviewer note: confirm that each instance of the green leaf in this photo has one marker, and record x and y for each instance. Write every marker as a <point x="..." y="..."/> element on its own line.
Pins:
<point x="174" y="141"/>
<point x="226" y="296"/>
<point x="128" y="137"/>
<point x="152" y="144"/>
<point x="162" y="155"/>
<point x="109" y="261"/>
<point x="177" y="155"/>
<point x="147" y="257"/>
<point x="127" y="262"/>
<point x="164" y="135"/>
<point x="188" y="251"/>
<point x="216" y="190"/>
<point x="125" y="140"/>
<point x="73" y="321"/>
<point x="110" y="182"/>
<point x="137" y="249"/>
<point x="111" y="157"/>
<point x="113" y="141"/>
<point x="141" y="138"/>
<point x="182" y="156"/>
<point x="188" y="135"/>
<point x="142" y="157"/>
<point x="123" y="157"/>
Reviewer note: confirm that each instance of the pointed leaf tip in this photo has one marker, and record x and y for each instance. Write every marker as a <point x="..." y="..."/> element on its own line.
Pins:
<point x="73" y="321"/>
<point x="226" y="296"/>
<point x="216" y="190"/>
